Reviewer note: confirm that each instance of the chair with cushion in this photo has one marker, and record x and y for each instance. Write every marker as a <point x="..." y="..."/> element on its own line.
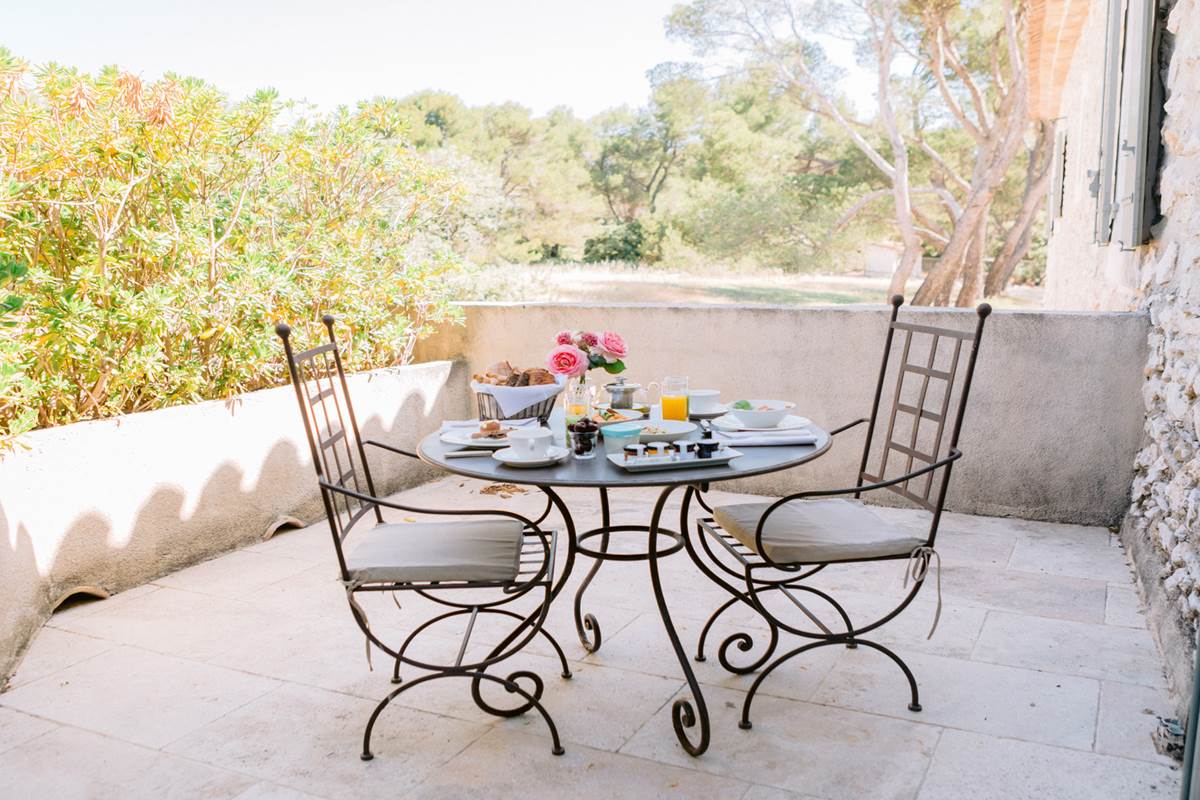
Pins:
<point x="765" y="554"/>
<point x="473" y="564"/>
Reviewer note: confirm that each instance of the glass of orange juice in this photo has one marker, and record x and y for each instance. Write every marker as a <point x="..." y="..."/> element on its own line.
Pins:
<point x="675" y="398"/>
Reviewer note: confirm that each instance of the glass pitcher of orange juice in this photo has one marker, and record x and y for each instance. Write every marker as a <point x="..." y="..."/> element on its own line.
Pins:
<point x="675" y="398"/>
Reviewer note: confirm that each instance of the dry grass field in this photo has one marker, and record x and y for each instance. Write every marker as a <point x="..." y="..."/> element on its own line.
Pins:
<point x="573" y="283"/>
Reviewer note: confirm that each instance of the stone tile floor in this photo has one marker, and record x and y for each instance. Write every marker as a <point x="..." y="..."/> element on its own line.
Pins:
<point x="245" y="677"/>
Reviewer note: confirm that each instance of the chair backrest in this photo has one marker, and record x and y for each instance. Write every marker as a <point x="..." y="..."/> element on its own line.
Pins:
<point x="332" y="430"/>
<point x="928" y="399"/>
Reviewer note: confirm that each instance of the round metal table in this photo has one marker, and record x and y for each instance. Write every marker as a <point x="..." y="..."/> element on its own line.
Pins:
<point x="601" y="474"/>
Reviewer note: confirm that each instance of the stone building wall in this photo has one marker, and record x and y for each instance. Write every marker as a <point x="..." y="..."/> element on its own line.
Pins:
<point x="1162" y="528"/>
<point x="1079" y="274"/>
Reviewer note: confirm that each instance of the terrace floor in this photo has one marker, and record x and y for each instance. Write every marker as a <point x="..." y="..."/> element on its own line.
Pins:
<point x="245" y="677"/>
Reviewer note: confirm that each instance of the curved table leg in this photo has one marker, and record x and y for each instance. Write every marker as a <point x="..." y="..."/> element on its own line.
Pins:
<point x="684" y="714"/>
<point x="585" y="623"/>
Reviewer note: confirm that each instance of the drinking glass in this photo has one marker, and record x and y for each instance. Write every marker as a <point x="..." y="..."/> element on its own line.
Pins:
<point x="585" y="436"/>
<point x="578" y="401"/>
<point x="675" y="398"/>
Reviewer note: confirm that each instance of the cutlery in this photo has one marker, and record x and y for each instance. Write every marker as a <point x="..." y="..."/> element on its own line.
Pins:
<point x="467" y="453"/>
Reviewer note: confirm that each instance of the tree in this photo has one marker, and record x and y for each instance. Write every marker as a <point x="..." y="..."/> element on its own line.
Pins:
<point x="637" y="150"/>
<point x="977" y="81"/>
<point x="984" y="89"/>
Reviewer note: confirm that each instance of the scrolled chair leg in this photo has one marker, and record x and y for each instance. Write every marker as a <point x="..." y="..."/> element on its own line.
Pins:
<point x="745" y="643"/>
<point x="745" y="723"/>
<point x="416" y="632"/>
<point x="508" y="683"/>
<point x="743" y="640"/>
<point x="531" y="697"/>
<point x="915" y="702"/>
<point x="721" y="609"/>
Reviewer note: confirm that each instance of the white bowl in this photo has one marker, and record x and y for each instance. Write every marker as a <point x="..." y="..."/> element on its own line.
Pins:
<point x="704" y="401"/>
<point x="771" y="414"/>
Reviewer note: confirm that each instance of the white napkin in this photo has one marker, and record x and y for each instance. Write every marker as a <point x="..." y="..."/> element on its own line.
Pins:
<point x="472" y="424"/>
<point x="766" y="438"/>
<point x="512" y="399"/>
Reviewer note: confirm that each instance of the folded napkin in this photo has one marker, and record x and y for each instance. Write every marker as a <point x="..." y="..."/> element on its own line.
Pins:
<point x="512" y="399"/>
<point x="472" y="424"/>
<point x="766" y="438"/>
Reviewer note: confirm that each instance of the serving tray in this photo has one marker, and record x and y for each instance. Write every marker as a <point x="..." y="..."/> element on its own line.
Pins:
<point x="653" y="463"/>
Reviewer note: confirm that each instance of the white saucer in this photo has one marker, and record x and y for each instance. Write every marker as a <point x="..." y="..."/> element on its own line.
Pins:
<point x="790" y="422"/>
<point x="553" y="455"/>
<point x="462" y="438"/>
<point x="722" y="410"/>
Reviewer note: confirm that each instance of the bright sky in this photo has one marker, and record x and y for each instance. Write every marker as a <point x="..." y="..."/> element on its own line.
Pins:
<point x="586" y="54"/>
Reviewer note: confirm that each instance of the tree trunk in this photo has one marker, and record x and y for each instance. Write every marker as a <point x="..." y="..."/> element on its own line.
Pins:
<point x="1016" y="240"/>
<point x="998" y="141"/>
<point x="990" y="170"/>
<point x="884" y="43"/>
<point x="972" y="283"/>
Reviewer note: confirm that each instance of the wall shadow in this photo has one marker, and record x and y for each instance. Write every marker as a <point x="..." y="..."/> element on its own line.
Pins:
<point x="169" y="533"/>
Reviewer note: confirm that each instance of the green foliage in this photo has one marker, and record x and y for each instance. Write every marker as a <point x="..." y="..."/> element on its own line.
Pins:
<point x="156" y="232"/>
<point x="624" y="241"/>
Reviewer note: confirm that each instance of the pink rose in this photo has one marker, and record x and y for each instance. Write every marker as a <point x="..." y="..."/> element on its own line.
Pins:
<point x="613" y="346"/>
<point x="587" y="339"/>
<point x="567" y="359"/>
<point x="563" y="337"/>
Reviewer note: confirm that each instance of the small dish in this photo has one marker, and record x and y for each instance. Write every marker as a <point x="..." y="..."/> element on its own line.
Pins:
<point x="762" y="413"/>
<point x="462" y="438"/>
<point x="553" y="455"/>
<point x="627" y="414"/>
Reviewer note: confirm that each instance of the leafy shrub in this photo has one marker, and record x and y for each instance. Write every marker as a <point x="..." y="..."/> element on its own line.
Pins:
<point x="627" y="241"/>
<point x="166" y="229"/>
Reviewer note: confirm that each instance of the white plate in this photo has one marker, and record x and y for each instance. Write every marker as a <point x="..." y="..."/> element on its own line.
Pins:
<point x="630" y="414"/>
<point x="462" y="438"/>
<point x="641" y="408"/>
<point x="673" y="429"/>
<point x="553" y="455"/>
<point x="731" y="423"/>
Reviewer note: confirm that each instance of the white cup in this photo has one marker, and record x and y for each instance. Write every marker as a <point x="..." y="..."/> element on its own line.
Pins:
<point x="704" y="401"/>
<point x="530" y="443"/>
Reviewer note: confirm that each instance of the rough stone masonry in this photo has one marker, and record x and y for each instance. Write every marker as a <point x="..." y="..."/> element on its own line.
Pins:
<point x="1164" y="515"/>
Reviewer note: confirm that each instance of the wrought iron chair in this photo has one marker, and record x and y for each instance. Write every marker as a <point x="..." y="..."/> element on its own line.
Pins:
<point x="773" y="547"/>
<point x="501" y="555"/>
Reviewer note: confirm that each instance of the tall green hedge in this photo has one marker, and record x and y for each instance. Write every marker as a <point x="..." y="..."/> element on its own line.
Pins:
<point x="151" y="234"/>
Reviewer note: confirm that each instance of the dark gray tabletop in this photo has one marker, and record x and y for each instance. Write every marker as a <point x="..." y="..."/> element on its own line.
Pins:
<point x="599" y="471"/>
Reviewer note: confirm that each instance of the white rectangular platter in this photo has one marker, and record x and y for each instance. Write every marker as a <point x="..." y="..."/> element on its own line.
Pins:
<point x="652" y="463"/>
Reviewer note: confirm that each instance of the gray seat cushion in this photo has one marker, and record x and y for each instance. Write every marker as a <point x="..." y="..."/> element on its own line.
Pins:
<point x="487" y="549"/>
<point x="817" y="531"/>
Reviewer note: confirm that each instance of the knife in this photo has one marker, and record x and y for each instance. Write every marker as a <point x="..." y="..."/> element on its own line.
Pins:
<point x="466" y="453"/>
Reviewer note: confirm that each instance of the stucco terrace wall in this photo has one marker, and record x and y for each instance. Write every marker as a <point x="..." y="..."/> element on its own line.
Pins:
<point x="105" y="506"/>
<point x="1052" y="432"/>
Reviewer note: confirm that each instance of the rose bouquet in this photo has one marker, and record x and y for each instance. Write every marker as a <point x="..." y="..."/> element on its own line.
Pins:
<point x="576" y="352"/>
